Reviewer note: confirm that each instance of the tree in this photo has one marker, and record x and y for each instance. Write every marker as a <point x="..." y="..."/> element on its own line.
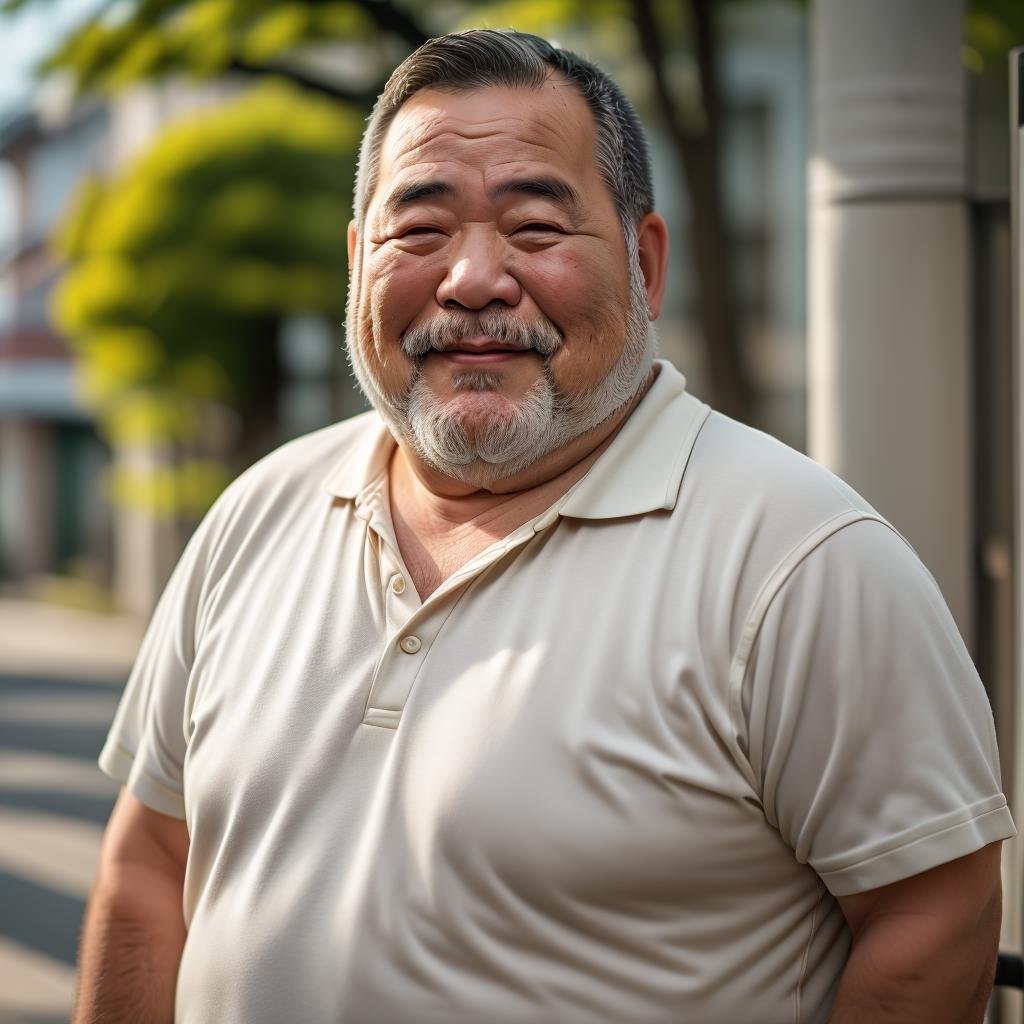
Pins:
<point x="697" y="143"/>
<point x="182" y="266"/>
<point x="143" y="39"/>
<point x="138" y="39"/>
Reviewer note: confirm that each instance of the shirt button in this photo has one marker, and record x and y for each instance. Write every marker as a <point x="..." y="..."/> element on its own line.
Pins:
<point x="398" y="584"/>
<point x="410" y="644"/>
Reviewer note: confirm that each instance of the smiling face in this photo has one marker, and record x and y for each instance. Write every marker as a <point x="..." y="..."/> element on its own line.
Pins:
<point x="494" y="313"/>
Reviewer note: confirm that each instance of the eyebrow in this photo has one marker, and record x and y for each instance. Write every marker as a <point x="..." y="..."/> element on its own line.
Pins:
<point x="558" y="191"/>
<point x="555" y="189"/>
<point x="413" y="193"/>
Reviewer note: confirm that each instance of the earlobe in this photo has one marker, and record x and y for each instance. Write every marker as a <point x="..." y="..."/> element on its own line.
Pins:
<point x="351" y="246"/>
<point x="652" y="246"/>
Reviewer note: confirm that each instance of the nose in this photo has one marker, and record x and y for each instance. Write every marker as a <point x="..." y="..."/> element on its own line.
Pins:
<point x="477" y="274"/>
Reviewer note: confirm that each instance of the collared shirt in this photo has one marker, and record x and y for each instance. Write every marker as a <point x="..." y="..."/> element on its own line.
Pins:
<point x="616" y="768"/>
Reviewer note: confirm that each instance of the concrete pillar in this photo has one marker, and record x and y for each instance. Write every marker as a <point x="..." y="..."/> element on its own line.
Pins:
<point x="145" y="542"/>
<point x="889" y="372"/>
<point x="27" y="494"/>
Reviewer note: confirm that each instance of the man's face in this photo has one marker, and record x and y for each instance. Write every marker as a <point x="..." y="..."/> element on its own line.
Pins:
<point x="493" y="313"/>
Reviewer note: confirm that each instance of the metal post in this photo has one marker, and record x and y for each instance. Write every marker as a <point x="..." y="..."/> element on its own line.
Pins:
<point x="1009" y="721"/>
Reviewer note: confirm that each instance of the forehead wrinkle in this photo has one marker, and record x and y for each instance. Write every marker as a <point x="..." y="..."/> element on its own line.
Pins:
<point x="444" y="137"/>
<point x="429" y="141"/>
<point x="515" y="158"/>
<point x="417" y="125"/>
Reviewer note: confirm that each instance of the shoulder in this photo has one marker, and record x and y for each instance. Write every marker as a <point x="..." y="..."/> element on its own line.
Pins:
<point x="751" y="509"/>
<point x="307" y="461"/>
<point x="303" y="466"/>
<point x="745" y="467"/>
<point x="748" y="492"/>
<point x="287" y="484"/>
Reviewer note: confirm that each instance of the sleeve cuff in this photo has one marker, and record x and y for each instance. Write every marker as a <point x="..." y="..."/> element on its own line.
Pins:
<point x="124" y="767"/>
<point x="950" y="838"/>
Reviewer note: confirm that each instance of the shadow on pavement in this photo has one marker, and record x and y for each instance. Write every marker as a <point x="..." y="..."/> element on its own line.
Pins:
<point x="56" y="732"/>
<point x="69" y="719"/>
<point x="54" y="685"/>
<point x="95" y="809"/>
<point x="40" y="918"/>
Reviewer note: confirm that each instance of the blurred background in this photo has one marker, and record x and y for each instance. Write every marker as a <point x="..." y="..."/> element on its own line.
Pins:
<point x="175" y="185"/>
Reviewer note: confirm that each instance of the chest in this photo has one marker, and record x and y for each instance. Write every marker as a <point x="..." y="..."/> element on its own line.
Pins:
<point x="554" y="715"/>
<point x="549" y="764"/>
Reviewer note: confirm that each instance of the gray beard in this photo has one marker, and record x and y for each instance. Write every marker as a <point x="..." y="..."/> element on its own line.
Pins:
<point x="540" y="422"/>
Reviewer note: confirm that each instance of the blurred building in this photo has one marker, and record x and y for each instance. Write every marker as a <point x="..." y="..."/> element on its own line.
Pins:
<point x="764" y="82"/>
<point x="56" y="521"/>
<point x="52" y="517"/>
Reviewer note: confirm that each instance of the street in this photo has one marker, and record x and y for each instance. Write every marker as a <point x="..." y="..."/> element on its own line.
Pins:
<point x="54" y="802"/>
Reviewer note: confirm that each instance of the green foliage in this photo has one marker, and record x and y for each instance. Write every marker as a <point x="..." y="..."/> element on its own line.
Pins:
<point x="185" y="487"/>
<point x="181" y="266"/>
<point x="543" y="17"/>
<point x="600" y="29"/>
<point x="148" y="38"/>
<point x="186" y="261"/>
<point x="993" y="28"/>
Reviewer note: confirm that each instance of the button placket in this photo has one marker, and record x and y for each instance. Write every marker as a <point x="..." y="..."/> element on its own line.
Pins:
<point x="400" y="664"/>
<point x="413" y="627"/>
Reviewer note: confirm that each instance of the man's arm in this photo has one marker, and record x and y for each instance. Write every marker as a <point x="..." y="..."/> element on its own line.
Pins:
<point x="924" y="949"/>
<point x="134" y="930"/>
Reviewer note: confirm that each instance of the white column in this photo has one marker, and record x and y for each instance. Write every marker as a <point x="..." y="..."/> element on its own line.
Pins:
<point x="889" y="374"/>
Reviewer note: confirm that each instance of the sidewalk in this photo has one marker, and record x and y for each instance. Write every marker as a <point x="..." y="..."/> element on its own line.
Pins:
<point x="38" y="639"/>
<point x="61" y="671"/>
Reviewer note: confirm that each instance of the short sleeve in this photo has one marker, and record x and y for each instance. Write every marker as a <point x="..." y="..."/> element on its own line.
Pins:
<point x="145" y="748"/>
<point x="869" y="730"/>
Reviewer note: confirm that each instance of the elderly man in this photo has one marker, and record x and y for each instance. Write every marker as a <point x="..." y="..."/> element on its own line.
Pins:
<point x="542" y="693"/>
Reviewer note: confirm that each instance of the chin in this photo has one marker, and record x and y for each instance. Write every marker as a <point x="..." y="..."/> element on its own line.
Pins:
<point x="481" y="436"/>
<point x="470" y="408"/>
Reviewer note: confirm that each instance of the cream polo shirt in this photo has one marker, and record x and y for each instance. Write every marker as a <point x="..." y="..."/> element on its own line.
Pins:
<point x="615" y="769"/>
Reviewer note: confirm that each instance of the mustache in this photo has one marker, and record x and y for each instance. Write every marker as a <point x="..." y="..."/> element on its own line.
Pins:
<point x="450" y="327"/>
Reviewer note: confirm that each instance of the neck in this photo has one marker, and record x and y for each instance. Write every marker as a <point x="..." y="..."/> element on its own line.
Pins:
<point x="414" y="481"/>
<point x="441" y="523"/>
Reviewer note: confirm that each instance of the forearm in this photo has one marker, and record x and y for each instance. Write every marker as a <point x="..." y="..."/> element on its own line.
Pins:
<point x="891" y="979"/>
<point x="131" y="948"/>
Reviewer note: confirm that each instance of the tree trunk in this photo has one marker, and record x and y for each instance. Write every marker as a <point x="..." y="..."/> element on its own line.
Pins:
<point x="698" y="151"/>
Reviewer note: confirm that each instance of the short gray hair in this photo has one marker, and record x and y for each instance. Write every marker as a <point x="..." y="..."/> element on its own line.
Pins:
<point x="479" y="58"/>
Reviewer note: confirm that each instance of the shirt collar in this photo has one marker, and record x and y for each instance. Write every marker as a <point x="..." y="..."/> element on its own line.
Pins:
<point x="642" y="469"/>
<point x="639" y="472"/>
<point x="364" y="459"/>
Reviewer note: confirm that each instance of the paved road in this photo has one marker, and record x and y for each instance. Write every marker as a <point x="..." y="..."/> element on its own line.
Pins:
<point x="53" y="804"/>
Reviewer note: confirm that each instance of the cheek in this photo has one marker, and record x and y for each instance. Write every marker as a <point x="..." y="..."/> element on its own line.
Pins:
<point x="395" y="292"/>
<point x="587" y="299"/>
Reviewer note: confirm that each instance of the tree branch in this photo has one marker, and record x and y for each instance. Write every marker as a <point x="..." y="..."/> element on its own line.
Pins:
<point x="364" y="98"/>
<point x="707" y="63"/>
<point x="650" y="45"/>
<point x="394" y="19"/>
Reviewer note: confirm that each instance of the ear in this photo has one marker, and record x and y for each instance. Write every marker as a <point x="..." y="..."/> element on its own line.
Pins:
<point x="652" y="244"/>
<point x="351" y="246"/>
